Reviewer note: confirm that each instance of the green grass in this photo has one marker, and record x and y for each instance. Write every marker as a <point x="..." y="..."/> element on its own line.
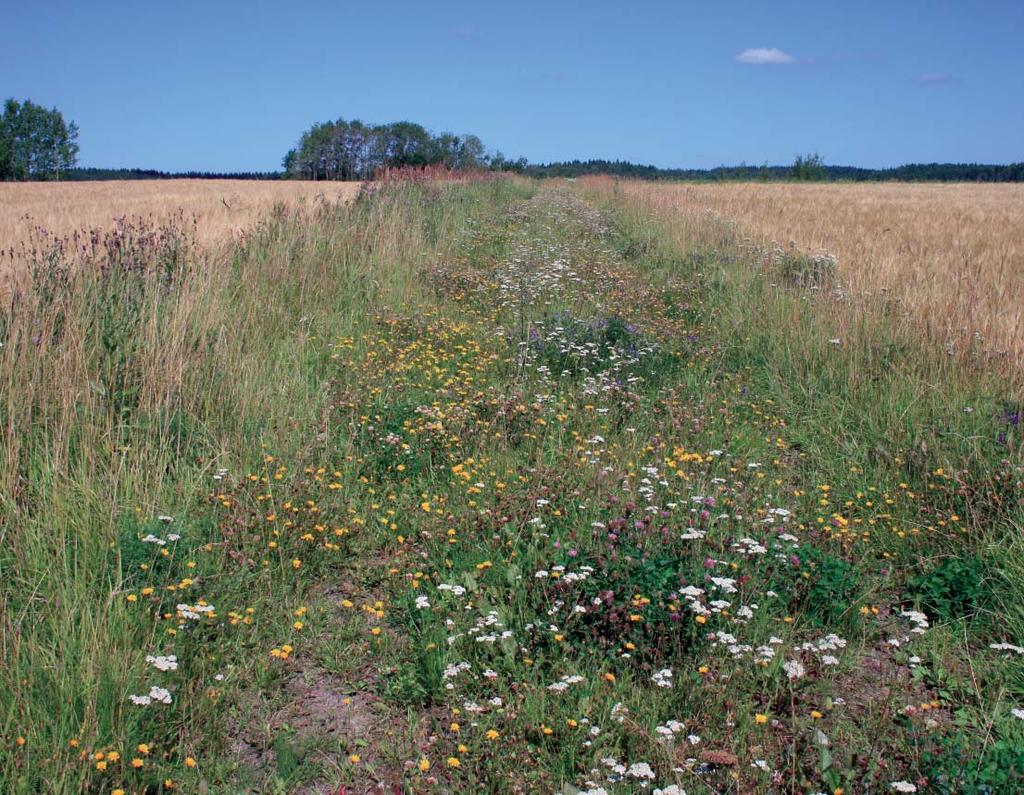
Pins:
<point x="490" y="459"/>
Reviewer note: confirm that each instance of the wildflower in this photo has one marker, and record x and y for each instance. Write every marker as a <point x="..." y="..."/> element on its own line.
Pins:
<point x="142" y="748"/>
<point x="609" y="677"/>
<point x="760" y="718"/>
<point x="641" y="770"/>
<point x="903" y="786"/>
<point x="190" y="762"/>
<point x="162" y="663"/>
<point x="424" y="764"/>
<point x="492" y="734"/>
<point x="354" y="758"/>
<point x="454" y="762"/>
<point x="794" y="669"/>
<point x="137" y="763"/>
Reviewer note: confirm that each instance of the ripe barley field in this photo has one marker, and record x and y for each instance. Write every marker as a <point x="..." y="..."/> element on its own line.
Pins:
<point x="500" y="486"/>
<point x="33" y="213"/>
<point x="948" y="258"/>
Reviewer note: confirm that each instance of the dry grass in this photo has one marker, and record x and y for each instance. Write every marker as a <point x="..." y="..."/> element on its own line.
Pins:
<point x="221" y="207"/>
<point x="949" y="256"/>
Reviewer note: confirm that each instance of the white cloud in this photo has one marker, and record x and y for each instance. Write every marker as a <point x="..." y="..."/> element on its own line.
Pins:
<point x="758" y="56"/>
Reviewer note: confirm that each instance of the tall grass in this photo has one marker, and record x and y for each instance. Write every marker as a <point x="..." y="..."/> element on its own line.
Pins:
<point x="132" y="376"/>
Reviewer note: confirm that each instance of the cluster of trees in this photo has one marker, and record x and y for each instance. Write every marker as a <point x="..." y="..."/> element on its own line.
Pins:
<point x="808" y="168"/>
<point x="35" y="143"/>
<point x="351" y="150"/>
<point x="805" y="168"/>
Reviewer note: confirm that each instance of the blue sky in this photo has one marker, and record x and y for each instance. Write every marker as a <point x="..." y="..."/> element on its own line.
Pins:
<point x="230" y="85"/>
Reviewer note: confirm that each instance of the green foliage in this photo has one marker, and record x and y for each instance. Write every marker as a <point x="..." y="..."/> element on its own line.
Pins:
<point x="35" y="143"/>
<point x="957" y="587"/>
<point x="351" y="150"/>
<point x="809" y="168"/>
<point x="959" y="764"/>
<point x="834" y="585"/>
<point x="823" y="585"/>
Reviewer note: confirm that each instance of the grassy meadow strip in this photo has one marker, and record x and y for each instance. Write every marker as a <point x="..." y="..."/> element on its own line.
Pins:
<point x="132" y="392"/>
<point x="499" y="488"/>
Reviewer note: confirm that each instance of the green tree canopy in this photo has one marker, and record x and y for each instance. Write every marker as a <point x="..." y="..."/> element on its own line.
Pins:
<point x="35" y="143"/>
<point x="349" y="150"/>
<point x="809" y="168"/>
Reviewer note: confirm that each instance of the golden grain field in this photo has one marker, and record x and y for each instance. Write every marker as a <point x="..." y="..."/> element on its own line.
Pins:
<point x="951" y="256"/>
<point x="222" y="207"/>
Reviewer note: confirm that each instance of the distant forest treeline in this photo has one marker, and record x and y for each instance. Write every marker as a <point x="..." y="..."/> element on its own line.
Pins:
<point x="87" y="174"/>
<point x="37" y="144"/>
<point x="913" y="172"/>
